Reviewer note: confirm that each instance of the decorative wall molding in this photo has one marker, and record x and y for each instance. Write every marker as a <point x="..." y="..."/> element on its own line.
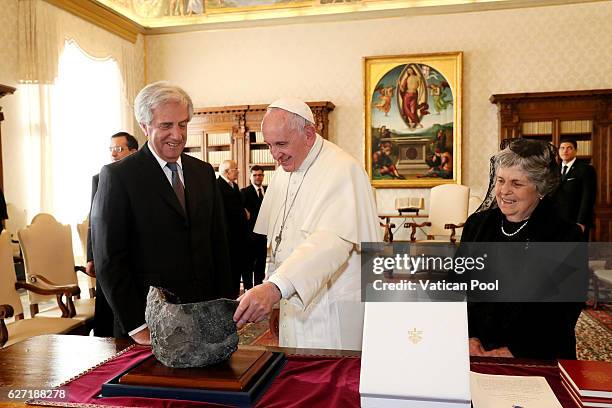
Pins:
<point x="101" y="16"/>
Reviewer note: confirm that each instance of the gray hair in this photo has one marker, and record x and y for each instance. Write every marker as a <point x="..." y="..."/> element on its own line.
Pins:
<point x="155" y="94"/>
<point x="535" y="158"/>
<point x="225" y="166"/>
<point x="293" y="120"/>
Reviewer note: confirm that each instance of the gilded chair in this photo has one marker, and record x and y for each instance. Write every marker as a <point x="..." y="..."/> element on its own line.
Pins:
<point x="47" y="251"/>
<point x="600" y="276"/>
<point x="19" y="328"/>
<point x="448" y="210"/>
<point x="82" y="230"/>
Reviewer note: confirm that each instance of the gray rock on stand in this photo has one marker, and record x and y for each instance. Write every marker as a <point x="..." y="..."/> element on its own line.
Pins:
<point x="190" y="334"/>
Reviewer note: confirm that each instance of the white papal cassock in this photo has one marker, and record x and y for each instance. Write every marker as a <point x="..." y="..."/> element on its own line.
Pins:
<point x="317" y="263"/>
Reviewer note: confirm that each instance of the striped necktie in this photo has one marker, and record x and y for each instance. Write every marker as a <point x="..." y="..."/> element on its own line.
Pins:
<point x="177" y="184"/>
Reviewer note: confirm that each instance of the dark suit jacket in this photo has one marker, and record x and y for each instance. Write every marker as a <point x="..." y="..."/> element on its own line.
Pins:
<point x="3" y="210"/>
<point x="141" y="236"/>
<point x="237" y="228"/>
<point x="252" y="203"/>
<point x="575" y="197"/>
<point x="94" y="187"/>
<point x="103" y="317"/>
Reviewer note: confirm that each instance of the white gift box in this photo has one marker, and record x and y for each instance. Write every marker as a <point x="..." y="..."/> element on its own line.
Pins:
<point x="415" y="355"/>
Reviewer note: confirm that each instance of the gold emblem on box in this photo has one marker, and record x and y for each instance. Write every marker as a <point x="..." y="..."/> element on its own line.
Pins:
<point x="415" y="336"/>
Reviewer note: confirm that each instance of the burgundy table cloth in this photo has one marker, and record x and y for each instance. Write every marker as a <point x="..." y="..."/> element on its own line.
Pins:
<point x="305" y="381"/>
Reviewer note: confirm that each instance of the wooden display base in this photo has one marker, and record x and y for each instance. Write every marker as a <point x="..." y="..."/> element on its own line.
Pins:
<point x="239" y="381"/>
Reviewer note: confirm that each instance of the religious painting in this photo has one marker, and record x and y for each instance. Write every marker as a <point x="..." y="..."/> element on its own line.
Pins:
<point x="413" y="119"/>
<point x="150" y="12"/>
<point x="224" y="6"/>
<point x="170" y="13"/>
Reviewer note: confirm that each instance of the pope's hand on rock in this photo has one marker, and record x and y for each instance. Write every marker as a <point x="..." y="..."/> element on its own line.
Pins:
<point x="256" y="304"/>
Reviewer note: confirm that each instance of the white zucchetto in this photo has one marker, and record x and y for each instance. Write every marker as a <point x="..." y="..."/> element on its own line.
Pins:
<point x="294" y="105"/>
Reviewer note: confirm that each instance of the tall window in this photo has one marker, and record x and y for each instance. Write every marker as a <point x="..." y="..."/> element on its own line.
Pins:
<point x="66" y="128"/>
<point x="85" y="110"/>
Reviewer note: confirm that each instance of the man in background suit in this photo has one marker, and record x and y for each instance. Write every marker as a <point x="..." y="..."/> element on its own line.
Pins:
<point x="575" y="197"/>
<point x="237" y="228"/>
<point x="122" y="144"/>
<point x="157" y="218"/>
<point x="252" y="196"/>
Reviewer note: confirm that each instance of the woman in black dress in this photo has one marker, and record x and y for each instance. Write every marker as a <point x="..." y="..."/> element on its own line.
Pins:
<point x="518" y="210"/>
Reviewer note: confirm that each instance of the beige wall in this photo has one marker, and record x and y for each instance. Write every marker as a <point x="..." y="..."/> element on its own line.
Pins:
<point x="536" y="49"/>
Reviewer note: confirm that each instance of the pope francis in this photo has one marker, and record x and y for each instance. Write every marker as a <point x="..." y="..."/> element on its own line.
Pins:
<point x="317" y="211"/>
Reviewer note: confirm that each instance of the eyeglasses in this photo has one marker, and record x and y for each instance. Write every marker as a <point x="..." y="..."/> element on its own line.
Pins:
<point x="117" y="149"/>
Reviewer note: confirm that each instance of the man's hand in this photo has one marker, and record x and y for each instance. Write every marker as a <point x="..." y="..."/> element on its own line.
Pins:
<point x="90" y="269"/>
<point x="476" y="348"/>
<point x="142" y="337"/>
<point x="256" y="304"/>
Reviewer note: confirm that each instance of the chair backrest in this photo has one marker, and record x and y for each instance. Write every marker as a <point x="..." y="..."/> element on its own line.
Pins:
<point x="82" y="230"/>
<point x="47" y="251"/>
<point x="448" y="204"/>
<point x="8" y="294"/>
<point x="473" y="204"/>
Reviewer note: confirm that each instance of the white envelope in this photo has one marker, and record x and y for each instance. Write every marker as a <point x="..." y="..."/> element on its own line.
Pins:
<point x="415" y="355"/>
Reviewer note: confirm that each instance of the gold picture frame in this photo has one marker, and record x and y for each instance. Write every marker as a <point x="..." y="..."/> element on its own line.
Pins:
<point x="413" y="119"/>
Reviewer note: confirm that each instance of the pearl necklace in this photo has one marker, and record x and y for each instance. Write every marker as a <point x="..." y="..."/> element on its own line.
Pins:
<point x="515" y="232"/>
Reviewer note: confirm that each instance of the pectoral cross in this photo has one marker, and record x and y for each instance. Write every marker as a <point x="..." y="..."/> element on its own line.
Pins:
<point x="278" y="240"/>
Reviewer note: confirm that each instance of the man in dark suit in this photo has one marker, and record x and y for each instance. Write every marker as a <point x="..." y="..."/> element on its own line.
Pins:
<point x="122" y="144"/>
<point x="252" y="196"/>
<point x="575" y="197"/>
<point x="157" y="218"/>
<point x="237" y="228"/>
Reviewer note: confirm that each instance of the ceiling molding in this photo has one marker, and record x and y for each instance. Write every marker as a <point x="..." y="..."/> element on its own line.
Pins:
<point x="339" y="13"/>
<point x="102" y="16"/>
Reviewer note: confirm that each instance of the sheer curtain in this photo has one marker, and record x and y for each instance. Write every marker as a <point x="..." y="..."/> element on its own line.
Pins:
<point x="85" y="114"/>
<point x="67" y="129"/>
<point x="77" y="82"/>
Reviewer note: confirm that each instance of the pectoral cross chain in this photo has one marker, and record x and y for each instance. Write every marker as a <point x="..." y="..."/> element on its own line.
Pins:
<point x="278" y="240"/>
<point x="287" y="211"/>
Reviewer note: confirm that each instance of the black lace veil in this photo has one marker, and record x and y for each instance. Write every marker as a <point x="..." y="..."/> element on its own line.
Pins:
<point x="524" y="148"/>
